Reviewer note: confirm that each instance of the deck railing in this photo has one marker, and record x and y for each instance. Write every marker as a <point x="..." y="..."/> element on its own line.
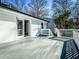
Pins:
<point x="74" y="33"/>
<point x="76" y="37"/>
<point x="67" y="32"/>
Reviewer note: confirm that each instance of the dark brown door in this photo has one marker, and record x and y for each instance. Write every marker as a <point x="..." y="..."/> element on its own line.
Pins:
<point x="25" y="28"/>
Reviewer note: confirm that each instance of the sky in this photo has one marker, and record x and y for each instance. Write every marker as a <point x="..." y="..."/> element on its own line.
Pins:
<point x="49" y="2"/>
<point x="27" y="1"/>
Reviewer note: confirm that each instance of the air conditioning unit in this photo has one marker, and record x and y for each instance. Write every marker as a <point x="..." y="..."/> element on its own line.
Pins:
<point x="45" y="32"/>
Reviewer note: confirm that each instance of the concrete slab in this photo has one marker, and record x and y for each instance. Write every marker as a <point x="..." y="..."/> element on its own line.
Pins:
<point x="32" y="49"/>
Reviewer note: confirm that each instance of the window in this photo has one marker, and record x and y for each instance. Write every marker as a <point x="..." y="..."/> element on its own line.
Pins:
<point x="47" y="25"/>
<point x="20" y="27"/>
<point x="42" y="25"/>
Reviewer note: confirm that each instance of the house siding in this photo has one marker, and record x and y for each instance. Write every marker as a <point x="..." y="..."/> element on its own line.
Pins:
<point x="8" y="24"/>
<point x="36" y="26"/>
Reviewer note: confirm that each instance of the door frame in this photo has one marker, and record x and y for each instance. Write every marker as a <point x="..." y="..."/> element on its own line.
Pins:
<point x="23" y="21"/>
<point x="26" y="26"/>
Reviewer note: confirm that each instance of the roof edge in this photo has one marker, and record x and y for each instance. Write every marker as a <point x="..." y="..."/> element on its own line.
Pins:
<point x="3" y="6"/>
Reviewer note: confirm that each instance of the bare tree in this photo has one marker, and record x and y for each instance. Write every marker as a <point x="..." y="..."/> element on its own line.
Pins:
<point x="9" y="4"/>
<point x="19" y="4"/>
<point x="38" y="8"/>
<point x="25" y="9"/>
<point x="58" y="6"/>
<point x="75" y="11"/>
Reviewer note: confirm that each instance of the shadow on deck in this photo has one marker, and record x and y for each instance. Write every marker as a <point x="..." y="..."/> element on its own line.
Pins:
<point x="70" y="50"/>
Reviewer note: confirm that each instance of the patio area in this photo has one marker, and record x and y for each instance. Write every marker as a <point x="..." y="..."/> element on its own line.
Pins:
<point x="40" y="48"/>
<point x="31" y="48"/>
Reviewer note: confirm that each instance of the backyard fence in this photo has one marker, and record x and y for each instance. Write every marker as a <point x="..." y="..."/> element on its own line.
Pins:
<point x="76" y="37"/>
<point x="67" y="32"/>
<point x="74" y="33"/>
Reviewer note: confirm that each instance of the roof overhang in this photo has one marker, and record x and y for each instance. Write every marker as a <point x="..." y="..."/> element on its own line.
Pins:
<point x="3" y="6"/>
